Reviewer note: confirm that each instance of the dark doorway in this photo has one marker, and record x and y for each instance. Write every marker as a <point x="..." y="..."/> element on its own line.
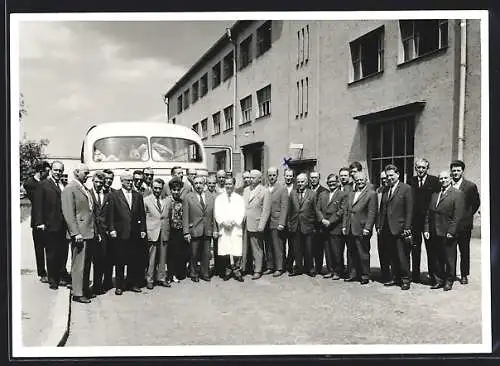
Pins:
<point x="302" y="166"/>
<point x="253" y="156"/>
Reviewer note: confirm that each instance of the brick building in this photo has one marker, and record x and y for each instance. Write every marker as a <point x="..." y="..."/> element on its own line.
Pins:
<point x="325" y="93"/>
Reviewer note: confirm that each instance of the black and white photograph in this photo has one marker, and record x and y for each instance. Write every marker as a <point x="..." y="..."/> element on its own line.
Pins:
<point x="199" y="184"/>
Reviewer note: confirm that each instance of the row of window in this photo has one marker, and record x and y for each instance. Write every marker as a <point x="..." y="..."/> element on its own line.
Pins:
<point x="264" y="109"/>
<point x="224" y="69"/>
<point x="418" y="38"/>
<point x="303" y="46"/>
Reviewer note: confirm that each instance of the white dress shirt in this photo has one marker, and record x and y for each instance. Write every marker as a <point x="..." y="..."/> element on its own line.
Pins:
<point x="128" y="197"/>
<point x="289" y="189"/>
<point x="457" y="184"/>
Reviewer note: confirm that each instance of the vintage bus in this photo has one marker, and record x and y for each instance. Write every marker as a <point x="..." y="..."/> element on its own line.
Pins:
<point x="121" y="146"/>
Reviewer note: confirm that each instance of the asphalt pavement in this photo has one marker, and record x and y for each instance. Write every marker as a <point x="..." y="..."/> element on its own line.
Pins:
<point x="284" y="311"/>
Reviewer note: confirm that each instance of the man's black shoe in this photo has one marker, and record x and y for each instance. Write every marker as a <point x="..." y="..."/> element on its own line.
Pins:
<point x="195" y="279"/>
<point x="405" y="286"/>
<point x="256" y="276"/>
<point x="328" y="275"/>
<point x="390" y="283"/>
<point x="278" y="273"/>
<point x="436" y="286"/>
<point x="350" y="279"/>
<point x="448" y="286"/>
<point x="464" y="280"/>
<point x="267" y="272"/>
<point x="44" y="279"/>
<point x="136" y="289"/>
<point x="149" y="286"/>
<point x="205" y="278"/>
<point x="294" y="273"/>
<point x="81" y="299"/>
<point x="365" y="281"/>
<point x="54" y="286"/>
<point x="118" y="291"/>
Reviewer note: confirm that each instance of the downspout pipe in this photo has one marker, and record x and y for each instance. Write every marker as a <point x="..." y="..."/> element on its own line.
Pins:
<point x="463" y="71"/>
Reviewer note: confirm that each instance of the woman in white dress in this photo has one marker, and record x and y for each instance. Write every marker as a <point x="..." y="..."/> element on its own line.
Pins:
<point x="229" y="212"/>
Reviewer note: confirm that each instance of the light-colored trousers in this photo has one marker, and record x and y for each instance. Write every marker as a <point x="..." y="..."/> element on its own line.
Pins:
<point x="157" y="261"/>
<point x="78" y="282"/>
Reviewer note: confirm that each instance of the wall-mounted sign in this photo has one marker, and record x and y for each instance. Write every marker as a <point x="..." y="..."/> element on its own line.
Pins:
<point x="296" y="146"/>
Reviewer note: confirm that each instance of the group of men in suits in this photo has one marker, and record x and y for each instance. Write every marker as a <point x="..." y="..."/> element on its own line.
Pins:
<point x="163" y="233"/>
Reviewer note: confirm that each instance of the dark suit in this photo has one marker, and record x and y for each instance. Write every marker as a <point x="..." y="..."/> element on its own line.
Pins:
<point x="198" y="221"/>
<point x="384" y="256"/>
<point x="396" y="213"/>
<point x="471" y="205"/>
<point x="318" y="237"/>
<point x="302" y="219"/>
<point x="30" y="186"/>
<point x="108" y="254"/>
<point x="333" y="210"/>
<point x="345" y="239"/>
<point x="97" y="255"/>
<point x="275" y="243"/>
<point x="443" y="218"/>
<point x="360" y="215"/>
<point x="287" y="237"/>
<point x="48" y="211"/>
<point x="421" y="199"/>
<point x="128" y="247"/>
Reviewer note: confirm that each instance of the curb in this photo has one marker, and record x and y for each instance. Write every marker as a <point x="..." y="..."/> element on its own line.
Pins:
<point x="61" y="313"/>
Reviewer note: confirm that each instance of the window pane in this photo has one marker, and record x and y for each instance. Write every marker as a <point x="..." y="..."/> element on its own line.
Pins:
<point x="387" y="139"/>
<point x="175" y="150"/>
<point x="399" y="137"/>
<point x="443" y="26"/>
<point x="400" y="163"/>
<point x="121" y="149"/>
<point x="375" y="172"/>
<point x="409" y="169"/>
<point x="410" y="135"/>
<point x="374" y="138"/>
<point x="428" y="35"/>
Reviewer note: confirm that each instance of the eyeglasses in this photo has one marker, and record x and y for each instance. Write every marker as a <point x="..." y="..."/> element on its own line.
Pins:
<point x="148" y="175"/>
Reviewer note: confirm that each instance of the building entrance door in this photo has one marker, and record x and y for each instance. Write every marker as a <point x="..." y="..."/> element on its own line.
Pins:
<point x="302" y="166"/>
<point x="253" y="156"/>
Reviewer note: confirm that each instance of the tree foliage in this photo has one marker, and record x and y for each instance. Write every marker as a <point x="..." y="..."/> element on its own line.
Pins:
<point x="22" y="107"/>
<point x="30" y="153"/>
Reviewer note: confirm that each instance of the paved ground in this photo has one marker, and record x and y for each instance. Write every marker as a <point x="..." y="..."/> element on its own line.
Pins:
<point x="40" y="325"/>
<point x="299" y="310"/>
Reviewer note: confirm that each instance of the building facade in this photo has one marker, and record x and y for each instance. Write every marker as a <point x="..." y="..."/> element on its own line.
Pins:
<point x="321" y="94"/>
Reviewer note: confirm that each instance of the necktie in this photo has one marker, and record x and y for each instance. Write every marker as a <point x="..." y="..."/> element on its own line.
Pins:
<point x="390" y="193"/>
<point x="99" y="198"/>
<point x="158" y="204"/>
<point x="421" y="182"/>
<point x="202" y="202"/>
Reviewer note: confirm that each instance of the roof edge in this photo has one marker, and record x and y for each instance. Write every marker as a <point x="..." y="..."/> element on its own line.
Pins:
<point x="237" y="27"/>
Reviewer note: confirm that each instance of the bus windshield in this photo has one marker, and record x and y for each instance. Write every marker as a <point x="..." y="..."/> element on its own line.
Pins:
<point x="175" y="149"/>
<point x="137" y="148"/>
<point x="122" y="148"/>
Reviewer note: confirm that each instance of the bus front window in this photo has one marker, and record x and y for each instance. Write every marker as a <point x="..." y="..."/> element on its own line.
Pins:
<point x="126" y="148"/>
<point x="175" y="149"/>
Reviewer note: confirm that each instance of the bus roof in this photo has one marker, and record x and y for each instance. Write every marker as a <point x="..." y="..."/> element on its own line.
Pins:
<point x="142" y="129"/>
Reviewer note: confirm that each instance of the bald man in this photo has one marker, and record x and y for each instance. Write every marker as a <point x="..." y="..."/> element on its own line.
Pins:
<point x="78" y="207"/>
<point x="49" y="219"/>
<point x="257" y="210"/>
<point x="274" y="242"/>
<point x="446" y="208"/>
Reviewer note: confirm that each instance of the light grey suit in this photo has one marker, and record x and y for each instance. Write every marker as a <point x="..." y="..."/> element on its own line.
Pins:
<point x="78" y="214"/>
<point x="158" y="232"/>
<point x="257" y="211"/>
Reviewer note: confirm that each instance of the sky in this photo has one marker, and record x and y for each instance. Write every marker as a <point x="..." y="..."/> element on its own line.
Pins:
<point x="74" y="74"/>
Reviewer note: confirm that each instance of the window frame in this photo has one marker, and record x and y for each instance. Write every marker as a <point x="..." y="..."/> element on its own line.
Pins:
<point x="186" y="98"/>
<point x="245" y="58"/>
<point x="264" y="31"/>
<point x="180" y="103"/>
<point x="247" y="110"/>
<point x="230" y="109"/>
<point x="216" y="131"/>
<point x="216" y="75"/>
<point x="195" y="128"/>
<point x="410" y="38"/>
<point x="408" y="157"/>
<point x="264" y="105"/>
<point x="203" y="92"/>
<point x="204" y="131"/>
<point x="228" y="64"/>
<point x="357" y="49"/>
<point x="195" y="92"/>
